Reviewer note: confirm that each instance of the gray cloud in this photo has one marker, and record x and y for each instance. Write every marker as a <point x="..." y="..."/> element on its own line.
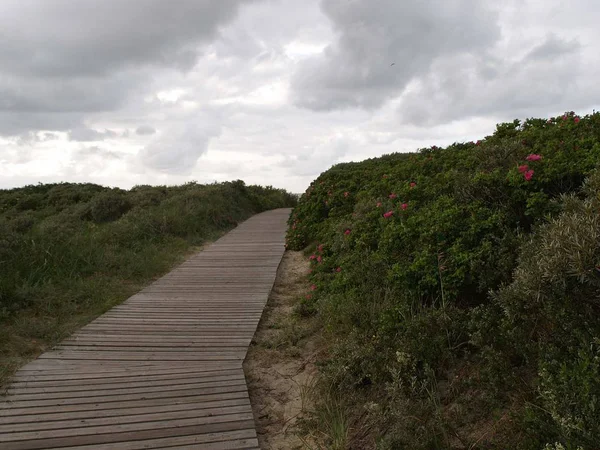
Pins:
<point x="356" y="70"/>
<point x="178" y="149"/>
<point x="88" y="56"/>
<point x="89" y="135"/>
<point x="145" y="130"/>
<point x="550" y="78"/>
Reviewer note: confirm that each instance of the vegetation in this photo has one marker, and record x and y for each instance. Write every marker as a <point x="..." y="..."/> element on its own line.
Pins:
<point x="460" y="289"/>
<point x="69" y="252"/>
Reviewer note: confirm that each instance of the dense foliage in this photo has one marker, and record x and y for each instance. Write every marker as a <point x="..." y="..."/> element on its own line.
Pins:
<point x="72" y="249"/>
<point x="461" y="288"/>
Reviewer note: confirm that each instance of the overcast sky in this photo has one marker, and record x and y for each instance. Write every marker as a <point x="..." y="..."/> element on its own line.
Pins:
<point x="124" y="92"/>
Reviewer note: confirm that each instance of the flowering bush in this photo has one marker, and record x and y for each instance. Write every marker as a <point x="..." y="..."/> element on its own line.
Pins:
<point x="418" y="275"/>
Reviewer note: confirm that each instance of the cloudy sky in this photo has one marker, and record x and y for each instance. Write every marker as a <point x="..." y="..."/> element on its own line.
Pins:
<point x="274" y="92"/>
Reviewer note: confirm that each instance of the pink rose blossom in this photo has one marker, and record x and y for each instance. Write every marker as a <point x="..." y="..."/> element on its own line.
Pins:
<point x="528" y="175"/>
<point x="524" y="168"/>
<point x="404" y="206"/>
<point x="388" y="214"/>
<point x="347" y="232"/>
<point x="393" y="196"/>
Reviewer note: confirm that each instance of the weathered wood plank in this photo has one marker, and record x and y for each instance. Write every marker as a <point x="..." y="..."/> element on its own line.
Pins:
<point x="163" y="369"/>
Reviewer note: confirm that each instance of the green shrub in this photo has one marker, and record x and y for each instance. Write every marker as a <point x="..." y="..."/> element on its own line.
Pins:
<point x="421" y="240"/>
<point x="109" y="206"/>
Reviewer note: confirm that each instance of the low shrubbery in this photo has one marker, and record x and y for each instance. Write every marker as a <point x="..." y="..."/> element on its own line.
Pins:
<point x="461" y="288"/>
<point x="70" y="251"/>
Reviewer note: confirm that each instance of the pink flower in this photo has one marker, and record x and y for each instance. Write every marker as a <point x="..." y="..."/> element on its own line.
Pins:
<point x="393" y="196"/>
<point x="576" y="119"/>
<point x="347" y="232"/>
<point x="524" y="168"/>
<point x="412" y="185"/>
<point x="312" y="257"/>
<point x="313" y="287"/>
<point x="388" y="214"/>
<point x="308" y="296"/>
<point x="338" y="270"/>
<point x="320" y="248"/>
<point x="404" y="206"/>
<point x="534" y="157"/>
<point x="319" y="259"/>
<point x="346" y="194"/>
<point x="378" y="204"/>
<point x="528" y="175"/>
<point x="564" y="117"/>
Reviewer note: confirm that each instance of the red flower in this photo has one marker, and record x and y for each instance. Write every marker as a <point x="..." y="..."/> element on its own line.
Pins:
<point x="312" y="257"/>
<point x="339" y="269"/>
<point x="404" y="206"/>
<point x="534" y="157"/>
<point x="308" y="296"/>
<point x="320" y="248"/>
<point x="378" y="204"/>
<point x="412" y="185"/>
<point x="528" y="175"/>
<point x="347" y="232"/>
<point x="393" y="196"/>
<point x="313" y="287"/>
<point x="319" y="259"/>
<point x="576" y="119"/>
<point x="388" y="214"/>
<point x="346" y="194"/>
<point x="478" y="142"/>
<point x="524" y="168"/>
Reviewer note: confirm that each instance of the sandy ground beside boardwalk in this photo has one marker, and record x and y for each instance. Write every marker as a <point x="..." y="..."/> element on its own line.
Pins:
<point x="280" y="363"/>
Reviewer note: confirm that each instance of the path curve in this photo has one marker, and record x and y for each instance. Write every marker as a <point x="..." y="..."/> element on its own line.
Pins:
<point x="164" y="368"/>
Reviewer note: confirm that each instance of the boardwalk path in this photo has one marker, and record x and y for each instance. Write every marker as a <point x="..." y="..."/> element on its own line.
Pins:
<point x="163" y="369"/>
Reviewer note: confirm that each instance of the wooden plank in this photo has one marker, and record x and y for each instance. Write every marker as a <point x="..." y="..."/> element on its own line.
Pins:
<point x="239" y="439"/>
<point x="163" y="369"/>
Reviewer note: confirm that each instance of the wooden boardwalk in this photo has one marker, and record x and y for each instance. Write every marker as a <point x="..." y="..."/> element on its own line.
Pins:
<point x="163" y="369"/>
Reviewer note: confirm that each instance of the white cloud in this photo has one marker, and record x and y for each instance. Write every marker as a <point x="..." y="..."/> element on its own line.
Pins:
<point x="273" y="91"/>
